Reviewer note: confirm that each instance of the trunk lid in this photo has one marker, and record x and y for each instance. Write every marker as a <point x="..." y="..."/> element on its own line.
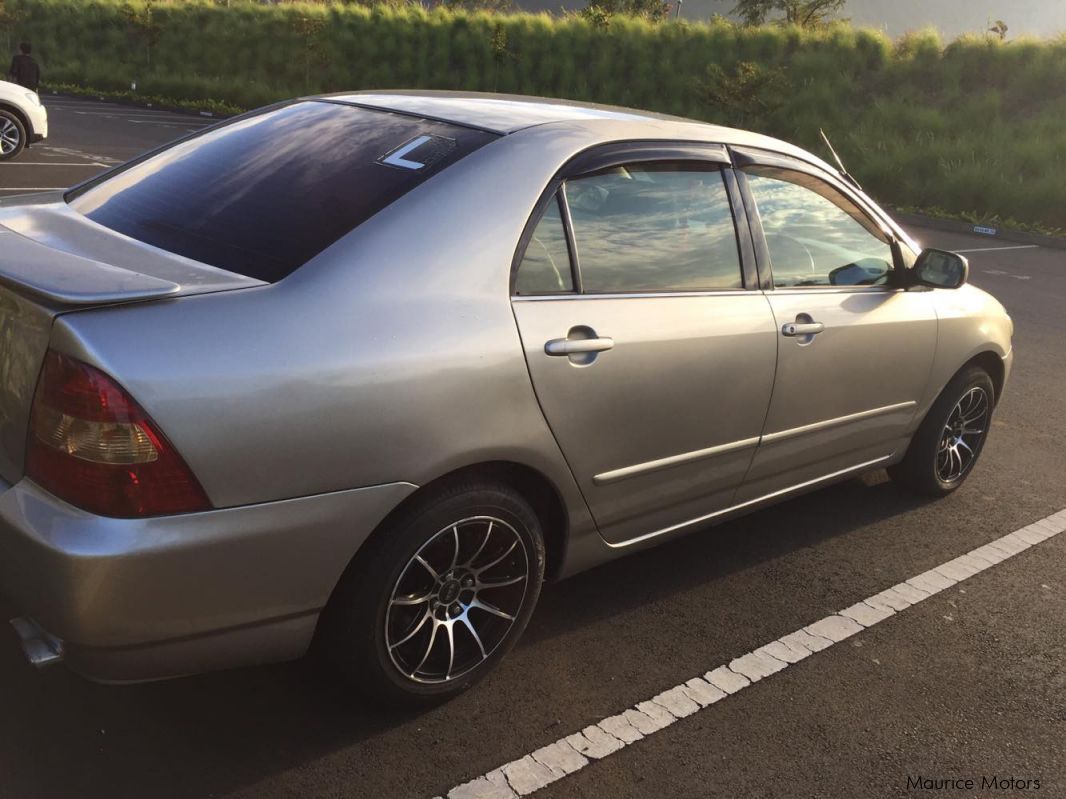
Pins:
<point x="54" y="261"/>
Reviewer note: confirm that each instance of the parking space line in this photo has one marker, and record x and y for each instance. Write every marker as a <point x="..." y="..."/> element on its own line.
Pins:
<point x="994" y="249"/>
<point x="37" y="188"/>
<point x="570" y="754"/>
<point x="49" y="163"/>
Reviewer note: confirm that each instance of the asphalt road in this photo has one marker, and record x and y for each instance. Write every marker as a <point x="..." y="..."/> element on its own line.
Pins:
<point x="970" y="682"/>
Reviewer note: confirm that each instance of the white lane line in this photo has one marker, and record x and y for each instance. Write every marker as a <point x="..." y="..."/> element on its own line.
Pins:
<point x="165" y="123"/>
<point x="995" y="249"/>
<point x="557" y="760"/>
<point x="37" y="188"/>
<point x="46" y="163"/>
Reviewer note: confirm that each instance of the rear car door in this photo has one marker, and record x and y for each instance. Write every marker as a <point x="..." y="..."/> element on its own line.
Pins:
<point x="854" y="349"/>
<point x="651" y="352"/>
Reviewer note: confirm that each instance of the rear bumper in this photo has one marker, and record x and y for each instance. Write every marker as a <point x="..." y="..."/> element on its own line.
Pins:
<point x="142" y="599"/>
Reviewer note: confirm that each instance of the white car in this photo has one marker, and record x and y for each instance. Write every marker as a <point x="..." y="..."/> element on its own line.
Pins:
<point x="23" y="119"/>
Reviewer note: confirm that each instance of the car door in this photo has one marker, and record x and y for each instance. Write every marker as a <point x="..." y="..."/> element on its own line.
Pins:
<point x="652" y="360"/>
<point x="854" y="351"/>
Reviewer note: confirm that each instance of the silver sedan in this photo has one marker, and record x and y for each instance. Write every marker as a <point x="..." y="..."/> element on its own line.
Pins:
<point x="359" y="373"/>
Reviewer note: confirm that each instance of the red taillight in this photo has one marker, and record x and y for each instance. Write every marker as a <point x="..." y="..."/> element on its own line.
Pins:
<point x="91" y="444"/>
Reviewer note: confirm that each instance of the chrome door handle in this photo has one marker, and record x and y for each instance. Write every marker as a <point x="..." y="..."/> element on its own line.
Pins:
<point x="802" y="328"/>
<point x="576" y="346"/>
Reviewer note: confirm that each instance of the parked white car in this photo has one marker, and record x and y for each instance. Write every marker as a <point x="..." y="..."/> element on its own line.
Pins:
<point x="23" y="119"/>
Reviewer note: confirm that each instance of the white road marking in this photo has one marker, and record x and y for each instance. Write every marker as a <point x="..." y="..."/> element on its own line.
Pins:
<point x="37" y="188"/>
<point x="995" y="249"/>
<point x="1007" y="274"/>
<point x="70" y="152"/>
<point x="47" y="163"/>
<point x="548" y="764"/>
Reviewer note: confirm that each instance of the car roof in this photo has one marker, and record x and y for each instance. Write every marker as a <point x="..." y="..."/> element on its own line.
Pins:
<point x="509" y="113"/>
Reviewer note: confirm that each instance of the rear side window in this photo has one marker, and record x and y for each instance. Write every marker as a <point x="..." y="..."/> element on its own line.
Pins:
<point x="654" y="227"/>
<point x="265" y="193"/>
<point x="545" y="267"/>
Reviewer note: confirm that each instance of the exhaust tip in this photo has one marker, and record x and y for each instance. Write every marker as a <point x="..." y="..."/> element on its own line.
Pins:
<point x="40" y="647"/>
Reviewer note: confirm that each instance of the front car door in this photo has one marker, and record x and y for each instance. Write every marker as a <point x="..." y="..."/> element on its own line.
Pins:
<point x="854" y="350"/>
<point x="651" y="356"/>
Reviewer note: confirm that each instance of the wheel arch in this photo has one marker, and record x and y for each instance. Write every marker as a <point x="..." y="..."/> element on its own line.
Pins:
<point x="991" y="363"/>
<point x="534" y="486"/>
<point x="25" y="120"/>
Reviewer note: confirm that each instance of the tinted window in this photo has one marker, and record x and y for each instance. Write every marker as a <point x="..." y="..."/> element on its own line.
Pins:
<point x="264" y="193"/>
<point x="816" y="235"/>
<point x="654" y="227"/>
<point x="545" y="267"/>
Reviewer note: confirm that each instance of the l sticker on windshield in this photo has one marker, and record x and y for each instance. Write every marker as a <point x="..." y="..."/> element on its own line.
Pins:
<point x="418" y="153"/>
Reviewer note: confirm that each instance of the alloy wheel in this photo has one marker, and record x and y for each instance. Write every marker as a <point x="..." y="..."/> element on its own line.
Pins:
<point x="961" y="439"/>
<point x="10" y="137"/>
<point x="456" y="600"/>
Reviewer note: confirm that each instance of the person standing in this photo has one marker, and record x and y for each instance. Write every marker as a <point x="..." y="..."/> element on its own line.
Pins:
<point x="24" y="70"/>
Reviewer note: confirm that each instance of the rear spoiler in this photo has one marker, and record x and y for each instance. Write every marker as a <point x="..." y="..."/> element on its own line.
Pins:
<point x="38" y="271"/>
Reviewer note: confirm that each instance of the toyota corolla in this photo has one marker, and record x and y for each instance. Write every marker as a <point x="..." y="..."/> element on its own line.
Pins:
<point x="363" y="371"/>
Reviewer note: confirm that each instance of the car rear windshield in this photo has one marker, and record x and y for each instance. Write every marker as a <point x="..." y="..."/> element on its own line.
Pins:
<point x="264" y="193"/>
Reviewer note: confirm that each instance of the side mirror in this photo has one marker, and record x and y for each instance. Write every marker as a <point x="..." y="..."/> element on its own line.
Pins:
<point x="940" y="269"/>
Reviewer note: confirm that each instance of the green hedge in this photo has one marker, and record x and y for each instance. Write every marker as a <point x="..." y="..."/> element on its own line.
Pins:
<point x="975" y="127"/>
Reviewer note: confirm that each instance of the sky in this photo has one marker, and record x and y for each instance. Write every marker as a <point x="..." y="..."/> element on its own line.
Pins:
<point x="952" y="17"/>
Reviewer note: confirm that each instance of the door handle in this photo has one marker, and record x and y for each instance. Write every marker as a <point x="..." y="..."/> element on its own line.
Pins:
<point x="577" y="346"/>
<point x="802" y="329"/>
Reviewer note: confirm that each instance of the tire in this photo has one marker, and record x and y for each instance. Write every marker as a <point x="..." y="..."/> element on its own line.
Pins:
<point x="379" y="626"/>
<point x="12" y="136"/>
<point x="942" y="455"/>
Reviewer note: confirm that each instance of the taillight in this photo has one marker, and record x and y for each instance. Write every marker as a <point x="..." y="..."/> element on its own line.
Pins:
<point x="93" y="446"/>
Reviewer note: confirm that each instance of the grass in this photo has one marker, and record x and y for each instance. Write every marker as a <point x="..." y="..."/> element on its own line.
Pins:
<point x="974" y="126"/>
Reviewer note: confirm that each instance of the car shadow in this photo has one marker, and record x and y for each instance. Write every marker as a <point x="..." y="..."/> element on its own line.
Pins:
<point x="208" y="735"/>
<point x="715" y="551"/>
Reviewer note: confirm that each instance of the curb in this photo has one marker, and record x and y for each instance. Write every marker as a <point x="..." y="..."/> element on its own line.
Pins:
<point x="958" y="226"/>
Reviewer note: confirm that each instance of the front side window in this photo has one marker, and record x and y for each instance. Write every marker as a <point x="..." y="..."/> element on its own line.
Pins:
<point x="654" y="227"/>
<point x="265" y="193"/>
<point x="545" y="266"/>
<point x="817" y="236"/>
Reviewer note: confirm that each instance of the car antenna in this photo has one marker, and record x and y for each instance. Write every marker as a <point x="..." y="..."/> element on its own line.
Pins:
<point x="843" y="172"/>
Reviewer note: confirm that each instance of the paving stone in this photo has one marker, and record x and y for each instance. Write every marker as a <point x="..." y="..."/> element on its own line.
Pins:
<point x="527" y="775"/>
<point x="620" y="727"/>
<point x="702" y="692"/>
<point x="985" y="559"/>
<point x="594" y="743"/>
<point x="931" y="580"/>
<point x="643" y="723"/>
<point x="956" y="571"/>
<point x="755" y="667"/>
<point x="802" y="638"/>
<point x="891" y="598"/>
<point x="677" y="702"/>
<point x="1034" y="533"/>
<point x="997" y="548"/>
<point x="1010" y="544"/>
<point x="867" y="615"/>
<point x="782" y="652"/>
<point x="726" y="680"/>
<point x="658" y="713"/>
<point x="561" y="758"/>
<point x="910" y="592"/>
<point x="1016" y="539"/>
<point x="835" y="628"/>
<point x="990" y="553"/>
<point x="481" y="788"/>
<point x="1052" y="525"/>
<point x="973" y="563"/>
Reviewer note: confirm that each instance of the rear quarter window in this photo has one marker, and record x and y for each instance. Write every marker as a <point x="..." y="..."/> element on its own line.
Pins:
<point x="263" y="194"/>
